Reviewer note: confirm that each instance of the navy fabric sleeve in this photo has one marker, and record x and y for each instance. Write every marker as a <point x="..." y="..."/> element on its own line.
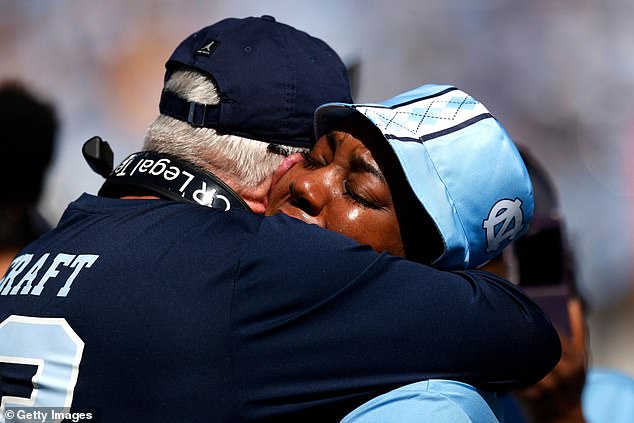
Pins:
<point x="323" y="314"/>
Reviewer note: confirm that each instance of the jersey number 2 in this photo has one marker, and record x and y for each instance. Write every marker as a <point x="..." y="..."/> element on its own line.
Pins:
<point x="31" y="340"/>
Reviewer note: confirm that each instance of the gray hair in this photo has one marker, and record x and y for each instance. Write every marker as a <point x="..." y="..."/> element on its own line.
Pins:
<point x="246" y="162"/>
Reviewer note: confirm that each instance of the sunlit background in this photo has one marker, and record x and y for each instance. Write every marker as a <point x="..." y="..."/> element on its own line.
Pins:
<point x="558" y="74"/>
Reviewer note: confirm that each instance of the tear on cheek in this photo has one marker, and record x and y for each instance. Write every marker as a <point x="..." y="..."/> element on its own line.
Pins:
<point x="284" y="167"/>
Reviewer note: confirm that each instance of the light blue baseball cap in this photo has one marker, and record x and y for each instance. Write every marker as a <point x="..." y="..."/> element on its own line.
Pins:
<point x="462" y="166"/>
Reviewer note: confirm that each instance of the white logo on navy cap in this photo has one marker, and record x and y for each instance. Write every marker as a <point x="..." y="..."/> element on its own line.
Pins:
<point x="207" y="49"/>
<point x="505" y="222"/>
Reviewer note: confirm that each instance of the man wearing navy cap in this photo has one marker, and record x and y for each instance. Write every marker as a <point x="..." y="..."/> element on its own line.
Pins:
<point x="142" y="306"/>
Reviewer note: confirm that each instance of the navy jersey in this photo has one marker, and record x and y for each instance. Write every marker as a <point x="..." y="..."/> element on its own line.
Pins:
<point x="162" y="311"/>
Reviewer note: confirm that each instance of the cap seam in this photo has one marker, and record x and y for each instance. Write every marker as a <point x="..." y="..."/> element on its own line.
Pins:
<point x="287" y="78"/>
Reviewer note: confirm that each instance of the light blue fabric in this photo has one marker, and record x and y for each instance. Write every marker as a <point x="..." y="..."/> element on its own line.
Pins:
<point x="608" y="397"/>
<point x="435" y="400"/>
<point x="460" y="163"/>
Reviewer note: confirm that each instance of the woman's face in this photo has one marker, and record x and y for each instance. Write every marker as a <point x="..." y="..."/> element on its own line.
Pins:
<point x="339" y="186"/>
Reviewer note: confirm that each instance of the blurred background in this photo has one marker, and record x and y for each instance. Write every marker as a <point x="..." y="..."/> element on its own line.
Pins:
<point x="558" y="74"/>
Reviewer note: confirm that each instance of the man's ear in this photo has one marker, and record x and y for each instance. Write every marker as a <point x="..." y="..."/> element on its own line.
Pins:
<point x="257" y="197"/>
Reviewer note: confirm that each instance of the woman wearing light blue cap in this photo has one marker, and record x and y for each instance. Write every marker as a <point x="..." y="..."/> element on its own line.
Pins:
<point x="429" y="175"/>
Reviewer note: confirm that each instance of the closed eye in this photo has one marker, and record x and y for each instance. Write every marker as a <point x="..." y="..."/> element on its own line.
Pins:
<point x="350" y="194"/>
<point x="310" y="162"/>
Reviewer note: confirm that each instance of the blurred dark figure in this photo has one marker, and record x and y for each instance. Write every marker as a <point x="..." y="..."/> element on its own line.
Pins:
<point x="542" y="264"/>
<point x="28" y="128"/>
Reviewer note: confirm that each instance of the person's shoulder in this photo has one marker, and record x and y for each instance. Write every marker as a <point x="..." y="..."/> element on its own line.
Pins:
<point x="167" y="213"/>
<point x="169" y="230"/>
<point x="432" y="400"/>
<point x="608" y="395"/>
<point x="610" y="377"/>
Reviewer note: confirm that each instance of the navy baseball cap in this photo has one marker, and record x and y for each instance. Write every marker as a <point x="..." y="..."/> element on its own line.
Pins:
<point x="460" y="163"/>
<point x="270" y="77"/>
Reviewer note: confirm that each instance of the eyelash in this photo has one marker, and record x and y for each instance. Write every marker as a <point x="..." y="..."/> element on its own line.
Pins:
<point x="309" y="162"/>
<point x="353" y="196"/>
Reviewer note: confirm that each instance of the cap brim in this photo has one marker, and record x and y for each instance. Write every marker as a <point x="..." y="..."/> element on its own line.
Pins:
<point x="328" y="116"/>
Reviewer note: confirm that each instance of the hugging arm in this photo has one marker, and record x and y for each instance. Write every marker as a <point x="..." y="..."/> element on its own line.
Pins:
<point x="339" y="320"/>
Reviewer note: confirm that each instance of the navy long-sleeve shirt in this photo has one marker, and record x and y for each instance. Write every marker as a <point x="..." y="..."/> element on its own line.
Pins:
<point x="162" y="311"/>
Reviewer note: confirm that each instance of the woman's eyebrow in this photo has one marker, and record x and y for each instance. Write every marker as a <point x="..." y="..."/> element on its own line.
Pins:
<point x="359" y="164"/>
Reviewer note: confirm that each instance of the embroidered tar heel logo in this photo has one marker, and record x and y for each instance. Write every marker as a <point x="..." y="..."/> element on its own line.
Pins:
<point x="207" y="48"/>
<point x="505" y="222"/>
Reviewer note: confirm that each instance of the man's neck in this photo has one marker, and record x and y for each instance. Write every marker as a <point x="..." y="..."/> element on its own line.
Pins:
<point x="257" y="197"/>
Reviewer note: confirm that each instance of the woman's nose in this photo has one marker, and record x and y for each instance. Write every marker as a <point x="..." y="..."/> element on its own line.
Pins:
<point x="311" y="190"/>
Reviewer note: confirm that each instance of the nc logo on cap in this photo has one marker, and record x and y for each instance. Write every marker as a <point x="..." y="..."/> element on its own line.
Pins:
<point x="505" y="222"/>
